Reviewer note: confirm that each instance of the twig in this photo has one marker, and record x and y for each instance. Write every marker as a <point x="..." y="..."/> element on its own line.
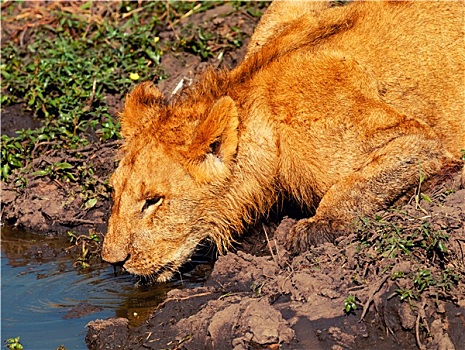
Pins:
<point x="269" y="245"/>
<point x="460" y="245"/>
<point x="130" y="13"/>
<point x="92" y="95"/>
<point x="189" y="297"/>
<point x="355" y="288"/>
<point x="376" y="288"/>
<point x="187" y="14"/>
<point x="417" y="333"/>
<point x="420" y="315"/>
<point x="229" y="295"/>
<point x="92" y="146"/>
<point x="37" y="146"/>
<point x="423" y="316"/>
<point x="79" y="221"/>
<point x="21" y="37"/>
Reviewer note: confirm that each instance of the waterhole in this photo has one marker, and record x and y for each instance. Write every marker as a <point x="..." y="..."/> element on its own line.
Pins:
<point x="47" y="299"/>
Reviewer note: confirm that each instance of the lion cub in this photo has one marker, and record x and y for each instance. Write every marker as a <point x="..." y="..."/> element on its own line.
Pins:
<point x="341" y="111"/>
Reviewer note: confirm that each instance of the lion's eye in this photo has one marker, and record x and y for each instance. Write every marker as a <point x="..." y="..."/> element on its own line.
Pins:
<point x="156" y="201"/>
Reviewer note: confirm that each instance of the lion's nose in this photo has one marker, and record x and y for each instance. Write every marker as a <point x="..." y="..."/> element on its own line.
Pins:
<point x="114" y="255"/>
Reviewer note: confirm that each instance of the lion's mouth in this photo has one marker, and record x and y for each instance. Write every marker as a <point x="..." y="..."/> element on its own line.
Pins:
<point x="151" y="275"/>
<point x="164" y="274"/>
<point x="203" y="254"/>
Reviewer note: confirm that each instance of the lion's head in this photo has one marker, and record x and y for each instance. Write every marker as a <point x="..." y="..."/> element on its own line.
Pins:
<point x="176" y="161"/>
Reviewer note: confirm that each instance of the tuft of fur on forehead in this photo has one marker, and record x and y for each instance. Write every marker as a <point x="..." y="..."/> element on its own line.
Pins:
<point x="174" y="122"/>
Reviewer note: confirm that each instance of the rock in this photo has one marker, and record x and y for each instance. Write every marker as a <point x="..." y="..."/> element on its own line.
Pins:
<point x="252" y="321"/>
<point x="407" y="317"/>
<point x="7" y="195"/>
<point x="81" y="309"/>
<point x="108" y="334"/>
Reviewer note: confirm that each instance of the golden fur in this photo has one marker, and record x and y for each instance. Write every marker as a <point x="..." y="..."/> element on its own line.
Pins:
<point x="339" y="108"/>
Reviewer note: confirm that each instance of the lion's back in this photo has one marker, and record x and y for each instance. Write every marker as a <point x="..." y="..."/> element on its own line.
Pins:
<point x="414" y="50"/>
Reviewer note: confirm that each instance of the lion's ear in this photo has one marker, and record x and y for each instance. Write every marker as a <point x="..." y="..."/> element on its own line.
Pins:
<point x="142" y="105"/>
<point x="215" y="144"/>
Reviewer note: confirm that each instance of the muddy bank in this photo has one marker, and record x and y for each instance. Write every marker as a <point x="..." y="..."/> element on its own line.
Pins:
<point x="397" y="283"/>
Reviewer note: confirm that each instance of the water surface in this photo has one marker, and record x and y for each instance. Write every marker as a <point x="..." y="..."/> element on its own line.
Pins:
<point x="42" y="292"/>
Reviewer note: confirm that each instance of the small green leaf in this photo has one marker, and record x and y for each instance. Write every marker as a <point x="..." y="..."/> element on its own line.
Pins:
<point x="426" y="198"/>
<point x="86" y="5"/>
<point x="69" y="176"/>
<point x="442" y="247"/>
<point x="40" y="173"/>
<point x="5" y="171"/>
<point x="90" y="203"/>
<point x="63" y="165"/>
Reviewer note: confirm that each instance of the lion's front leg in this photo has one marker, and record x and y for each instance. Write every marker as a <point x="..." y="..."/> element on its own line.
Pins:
<point x="388" y="173"/>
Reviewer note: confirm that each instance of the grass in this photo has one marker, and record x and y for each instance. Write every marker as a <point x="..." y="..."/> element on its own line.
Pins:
<point x="66" y="71"/>
<point x="89" y="247"/>
<point x="393" y="239"/>
<point x="14" y="344"/>
<point x="350" y="304"/>
<point x="63" y="61"/>
<point x="403" y="237"/>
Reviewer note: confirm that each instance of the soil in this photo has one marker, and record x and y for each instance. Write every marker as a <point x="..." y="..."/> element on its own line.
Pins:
<point x="276" y="300"/>
<point x="260" y="295"/>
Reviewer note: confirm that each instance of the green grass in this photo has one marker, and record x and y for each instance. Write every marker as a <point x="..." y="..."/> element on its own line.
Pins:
<point x="410" y="239"/>
<point x="13" y="344"/>
<point x="64" y="74"/>
<point x="392" y="239"/>
<point x="74" y="57"/>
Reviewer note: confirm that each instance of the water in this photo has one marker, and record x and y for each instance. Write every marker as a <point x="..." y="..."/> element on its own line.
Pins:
<point x="40" y="287"/>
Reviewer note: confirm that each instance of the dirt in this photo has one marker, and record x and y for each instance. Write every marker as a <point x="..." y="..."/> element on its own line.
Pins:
<point x="260" y="295"/>
<point x="16" y="118"/>
<point x="297" y="302"/>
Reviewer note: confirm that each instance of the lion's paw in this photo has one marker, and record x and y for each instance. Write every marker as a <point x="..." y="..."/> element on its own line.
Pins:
<point x="310" y="232"/>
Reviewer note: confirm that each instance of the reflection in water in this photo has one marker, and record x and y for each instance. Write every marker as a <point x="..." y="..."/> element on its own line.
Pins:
<point x="47" y="301"/>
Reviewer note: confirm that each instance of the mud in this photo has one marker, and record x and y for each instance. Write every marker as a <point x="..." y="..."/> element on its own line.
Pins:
<point x="260" y="295"/>
<point x="297" y="302"/>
